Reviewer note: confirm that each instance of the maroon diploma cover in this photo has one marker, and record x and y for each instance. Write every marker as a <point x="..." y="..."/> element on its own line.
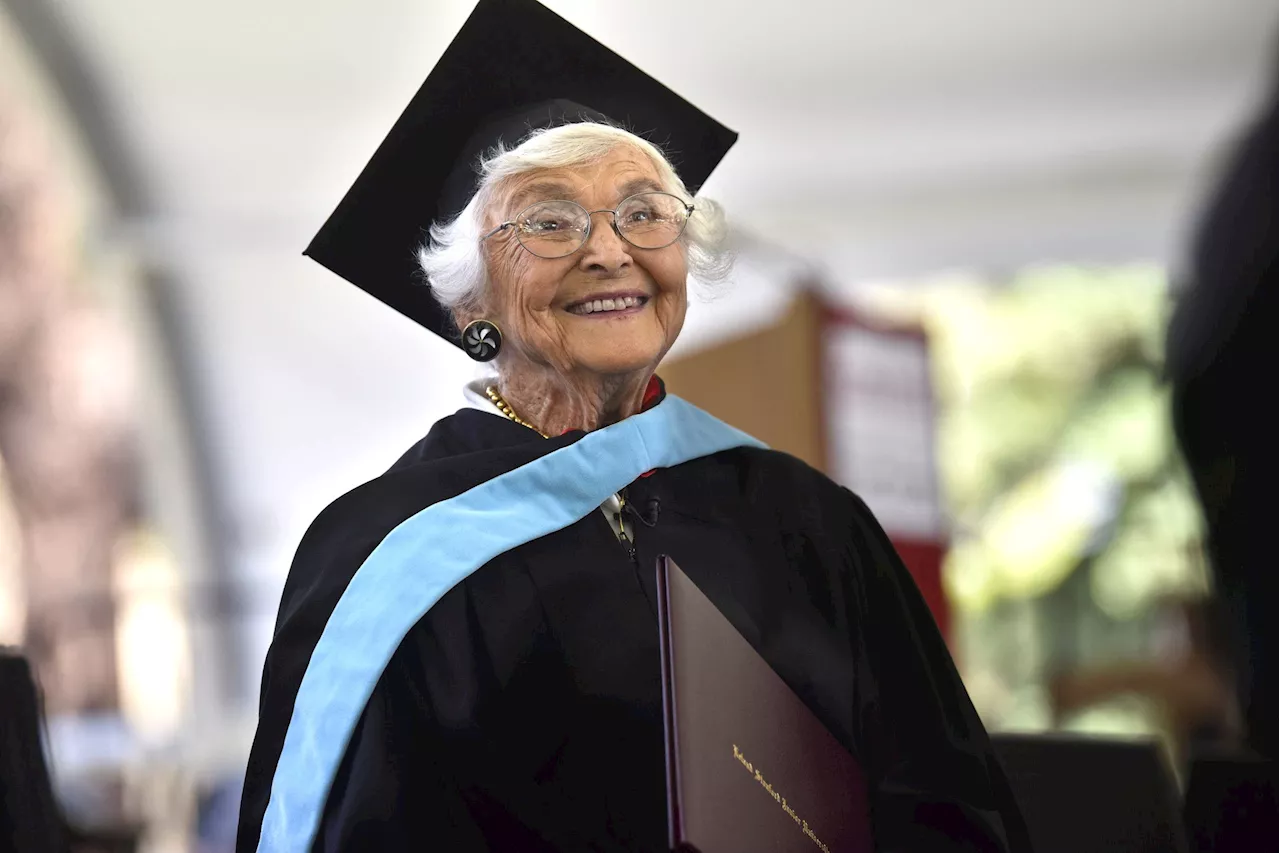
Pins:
<point x="749" y="767"/>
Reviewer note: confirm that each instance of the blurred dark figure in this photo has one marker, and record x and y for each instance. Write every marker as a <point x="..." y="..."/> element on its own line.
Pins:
<point x="30" y="820"/>
<point x="1221" y="360"/>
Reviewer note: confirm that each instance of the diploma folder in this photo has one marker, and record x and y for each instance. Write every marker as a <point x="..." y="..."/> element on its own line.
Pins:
<point x="749" y="767"/>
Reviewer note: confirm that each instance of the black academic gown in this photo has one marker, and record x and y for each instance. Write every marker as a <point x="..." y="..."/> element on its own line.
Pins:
<point x="523" y="712"/>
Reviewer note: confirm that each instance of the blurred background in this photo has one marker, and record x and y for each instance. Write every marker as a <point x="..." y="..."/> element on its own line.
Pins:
<point x="961" y="229"/>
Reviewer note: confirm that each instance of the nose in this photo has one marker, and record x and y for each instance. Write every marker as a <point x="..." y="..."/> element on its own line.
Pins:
<point x="604" y="252"/>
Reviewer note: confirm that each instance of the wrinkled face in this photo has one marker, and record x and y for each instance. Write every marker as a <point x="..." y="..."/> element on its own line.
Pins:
<point x="548" y="309"/>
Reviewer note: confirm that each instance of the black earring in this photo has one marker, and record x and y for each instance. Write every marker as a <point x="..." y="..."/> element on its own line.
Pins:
<point x="482" y="340"/>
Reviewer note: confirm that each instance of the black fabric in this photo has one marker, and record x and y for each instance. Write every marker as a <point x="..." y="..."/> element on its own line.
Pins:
<point x="1222" y="360"/>
<point x="1230" y="805"/>
<point x="524" y="711"/>
<point x="514" y="67"/>
<point x="1084" y="793"/>
<point x="31" y="820"/>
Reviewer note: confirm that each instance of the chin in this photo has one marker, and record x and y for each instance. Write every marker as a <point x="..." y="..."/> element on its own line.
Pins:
<point x="612" y="353"/>
<point x="618" y="360"/>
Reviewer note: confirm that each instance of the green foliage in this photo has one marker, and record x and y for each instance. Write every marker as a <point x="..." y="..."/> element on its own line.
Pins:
<point x="1070" y="508"/>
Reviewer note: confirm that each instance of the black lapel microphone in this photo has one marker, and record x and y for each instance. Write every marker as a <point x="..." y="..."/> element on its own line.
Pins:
<point x="649" y="517"/>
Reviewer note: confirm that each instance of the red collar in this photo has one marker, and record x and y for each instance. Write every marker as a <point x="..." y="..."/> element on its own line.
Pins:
<point x="653" y="393"/>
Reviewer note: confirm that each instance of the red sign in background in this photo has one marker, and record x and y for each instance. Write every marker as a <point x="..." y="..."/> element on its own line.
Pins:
<point x="880" y="438"/>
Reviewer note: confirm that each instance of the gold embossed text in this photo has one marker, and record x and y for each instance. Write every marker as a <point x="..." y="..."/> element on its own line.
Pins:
<point x="778" y="798"/>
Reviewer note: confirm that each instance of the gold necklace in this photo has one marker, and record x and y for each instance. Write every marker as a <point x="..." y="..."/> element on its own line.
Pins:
<point x="505" y="408"/>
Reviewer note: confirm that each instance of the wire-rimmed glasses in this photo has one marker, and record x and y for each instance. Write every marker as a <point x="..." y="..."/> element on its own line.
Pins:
<point x="558" y="228"/>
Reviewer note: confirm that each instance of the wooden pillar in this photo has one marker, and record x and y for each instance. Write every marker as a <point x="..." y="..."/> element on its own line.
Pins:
<point x="766" y="383"/>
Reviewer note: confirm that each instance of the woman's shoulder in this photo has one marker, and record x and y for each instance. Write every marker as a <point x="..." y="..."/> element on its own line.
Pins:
<point x="802" y="497"/>
<point x="776" y="469"/>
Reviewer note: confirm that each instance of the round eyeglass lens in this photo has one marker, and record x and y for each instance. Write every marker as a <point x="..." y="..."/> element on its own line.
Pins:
<point x="552" y="229"/>
<point x="652" y="220"/>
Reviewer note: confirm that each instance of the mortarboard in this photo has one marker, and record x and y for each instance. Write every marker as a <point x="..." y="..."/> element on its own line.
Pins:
<point x="514" y="67"/>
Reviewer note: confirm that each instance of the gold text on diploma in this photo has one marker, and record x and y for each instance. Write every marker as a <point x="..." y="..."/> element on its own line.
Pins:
<point x="778" y="798"/>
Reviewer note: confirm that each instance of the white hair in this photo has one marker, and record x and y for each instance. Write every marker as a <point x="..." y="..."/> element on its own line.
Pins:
<point x="453" y="259"/>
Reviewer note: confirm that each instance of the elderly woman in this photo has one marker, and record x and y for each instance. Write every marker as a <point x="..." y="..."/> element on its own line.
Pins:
<point x="466" y="657"/>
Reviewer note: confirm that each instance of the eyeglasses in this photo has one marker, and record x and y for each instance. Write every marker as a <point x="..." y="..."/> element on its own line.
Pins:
<point x="557" y="229"/>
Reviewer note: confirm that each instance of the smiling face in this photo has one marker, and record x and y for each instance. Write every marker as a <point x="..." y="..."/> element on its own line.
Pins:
<point x="610" y="308"/>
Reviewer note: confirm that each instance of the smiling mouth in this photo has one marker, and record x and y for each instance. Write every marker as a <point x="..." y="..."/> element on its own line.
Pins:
<point x="608" y="306"/>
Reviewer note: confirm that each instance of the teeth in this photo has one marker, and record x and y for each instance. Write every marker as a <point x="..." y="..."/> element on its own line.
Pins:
<point x="619" y="304"/>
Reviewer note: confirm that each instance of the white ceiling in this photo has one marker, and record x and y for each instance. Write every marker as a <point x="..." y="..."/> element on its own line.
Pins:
<point x="253" y="117"/>
<point x="880" y="138"/>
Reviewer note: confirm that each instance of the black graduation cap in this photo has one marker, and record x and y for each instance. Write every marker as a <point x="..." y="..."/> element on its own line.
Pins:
<point x="514" y="67"/>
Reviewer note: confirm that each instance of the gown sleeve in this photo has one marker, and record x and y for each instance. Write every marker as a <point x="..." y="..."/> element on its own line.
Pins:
<point x="392" y="793"/>
<point x="936" y="784"/>
<point x="328" y="556"/>
<point x="388" y="793"/>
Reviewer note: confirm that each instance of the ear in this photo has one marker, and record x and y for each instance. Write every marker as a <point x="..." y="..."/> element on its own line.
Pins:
<point x="461" y="317"/>
<point x="472" y="311"/>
